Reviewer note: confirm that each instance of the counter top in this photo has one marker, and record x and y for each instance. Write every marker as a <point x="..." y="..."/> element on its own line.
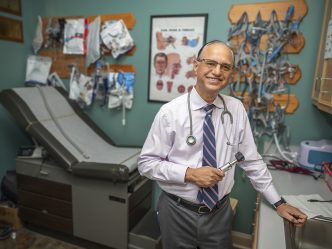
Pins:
<point x="271" y="225"/>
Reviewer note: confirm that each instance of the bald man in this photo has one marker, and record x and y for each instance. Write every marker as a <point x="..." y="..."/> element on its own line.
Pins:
<point x="188" y="142"/>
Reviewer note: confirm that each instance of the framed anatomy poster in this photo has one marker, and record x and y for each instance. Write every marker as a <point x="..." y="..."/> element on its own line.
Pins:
<point x="174" y="43"/>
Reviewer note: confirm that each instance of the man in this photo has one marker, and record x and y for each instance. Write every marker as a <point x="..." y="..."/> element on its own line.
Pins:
<point x="194" y="208"/>
<point x="160" y="63"/>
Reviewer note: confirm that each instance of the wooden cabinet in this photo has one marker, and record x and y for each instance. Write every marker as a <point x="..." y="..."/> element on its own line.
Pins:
<point x="45" y="203"/>
<point x="322" y="87"/>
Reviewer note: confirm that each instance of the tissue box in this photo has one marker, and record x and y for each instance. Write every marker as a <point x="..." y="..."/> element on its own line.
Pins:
<point x="328" y="175"/>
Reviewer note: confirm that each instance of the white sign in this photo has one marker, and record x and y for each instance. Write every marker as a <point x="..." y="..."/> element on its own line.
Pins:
<point x="175" y="42"/>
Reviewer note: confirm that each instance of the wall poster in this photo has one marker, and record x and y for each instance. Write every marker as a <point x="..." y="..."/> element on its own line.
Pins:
<point x="174" y="43"/>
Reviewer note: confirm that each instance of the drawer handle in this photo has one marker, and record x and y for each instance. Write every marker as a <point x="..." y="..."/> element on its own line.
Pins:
<point x="44" y="211"/>
<point x="43" y="172"/>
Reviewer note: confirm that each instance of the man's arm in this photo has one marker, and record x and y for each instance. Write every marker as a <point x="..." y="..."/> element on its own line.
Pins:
<point x="152" y="161"/>
<point x="261" y="178"/>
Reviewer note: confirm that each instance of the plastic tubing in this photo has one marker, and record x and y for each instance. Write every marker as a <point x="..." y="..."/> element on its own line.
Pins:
<point x="280" y="151"/>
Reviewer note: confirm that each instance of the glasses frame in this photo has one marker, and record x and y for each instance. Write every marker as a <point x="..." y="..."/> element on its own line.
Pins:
<point x="225" y="67"/>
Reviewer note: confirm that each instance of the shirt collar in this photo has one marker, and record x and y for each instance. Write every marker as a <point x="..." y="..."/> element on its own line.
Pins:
<point x="197" y="102"/>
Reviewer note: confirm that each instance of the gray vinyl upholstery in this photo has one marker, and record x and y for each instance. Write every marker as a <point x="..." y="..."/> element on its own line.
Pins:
<point x="68" y="134"/>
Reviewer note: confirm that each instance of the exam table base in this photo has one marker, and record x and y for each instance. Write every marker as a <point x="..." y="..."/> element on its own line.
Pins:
<point x="116" y="215"/>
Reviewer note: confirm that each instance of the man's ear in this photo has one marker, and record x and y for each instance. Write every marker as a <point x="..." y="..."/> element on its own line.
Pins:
<point x="235" y="71"/>
<point x="195" y="65"/>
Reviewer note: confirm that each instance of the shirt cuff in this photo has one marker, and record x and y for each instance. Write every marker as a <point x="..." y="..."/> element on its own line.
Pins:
<point x="271" y="194"/>
<point x="177" y="173"/>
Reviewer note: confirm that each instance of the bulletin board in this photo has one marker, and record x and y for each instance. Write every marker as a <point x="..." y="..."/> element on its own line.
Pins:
<point x="61" y="63"/>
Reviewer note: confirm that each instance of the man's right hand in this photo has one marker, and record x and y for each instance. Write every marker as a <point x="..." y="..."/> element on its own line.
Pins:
<point x="205" y="176"/>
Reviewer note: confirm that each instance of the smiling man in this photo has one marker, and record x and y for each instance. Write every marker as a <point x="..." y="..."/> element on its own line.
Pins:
<point x="190" y="138"/>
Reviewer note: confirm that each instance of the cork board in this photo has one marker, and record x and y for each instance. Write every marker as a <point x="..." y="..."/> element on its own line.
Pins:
<point x="61" y="63"/>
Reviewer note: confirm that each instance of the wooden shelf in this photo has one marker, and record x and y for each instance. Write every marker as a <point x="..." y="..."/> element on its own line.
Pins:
<point x="281" y="99"/>
<point x="112" y="68"/>
<point x="281" y="8"/>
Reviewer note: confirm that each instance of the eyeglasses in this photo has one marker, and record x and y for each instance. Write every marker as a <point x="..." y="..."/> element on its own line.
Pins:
<point x="212" y="64"/>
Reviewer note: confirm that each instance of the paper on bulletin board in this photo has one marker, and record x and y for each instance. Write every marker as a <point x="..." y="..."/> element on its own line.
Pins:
<point x="328" y="44"/>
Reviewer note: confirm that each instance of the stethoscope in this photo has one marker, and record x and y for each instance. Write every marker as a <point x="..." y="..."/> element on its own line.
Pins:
<point x="191" y="139"/>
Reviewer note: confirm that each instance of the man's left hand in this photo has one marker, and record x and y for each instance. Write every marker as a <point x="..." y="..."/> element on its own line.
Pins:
<point x="292" y="214"/>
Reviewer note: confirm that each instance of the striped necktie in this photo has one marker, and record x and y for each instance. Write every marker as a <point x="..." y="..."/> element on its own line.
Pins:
<point x="209" y="196"/>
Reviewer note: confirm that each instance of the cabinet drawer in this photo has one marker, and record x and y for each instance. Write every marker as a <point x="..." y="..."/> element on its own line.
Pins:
<point x="139" y="211"/>
<point x="45" y="204"/>
<point x="49" y="221"/>
<point x="140" y="194"/>
<point x="44" y="187"/>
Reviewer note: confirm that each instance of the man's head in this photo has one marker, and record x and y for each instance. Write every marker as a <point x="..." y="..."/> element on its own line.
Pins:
<point x="160" y="63"/>
<point x="214" y="67"/>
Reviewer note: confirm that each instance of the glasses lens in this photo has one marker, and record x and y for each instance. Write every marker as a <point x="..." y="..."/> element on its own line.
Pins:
<point x="226" y="67"/>
<point x="211" y="64"/>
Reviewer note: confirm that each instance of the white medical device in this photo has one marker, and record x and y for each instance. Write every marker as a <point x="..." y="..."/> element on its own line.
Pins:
<point x="313" y="153"/>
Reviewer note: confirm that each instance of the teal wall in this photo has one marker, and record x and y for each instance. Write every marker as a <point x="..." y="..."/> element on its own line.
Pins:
<point x="12" y="73"/>
<point x="306" y="123"/>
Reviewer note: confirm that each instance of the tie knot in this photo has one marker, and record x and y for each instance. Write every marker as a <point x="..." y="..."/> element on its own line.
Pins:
<point x="209" y="108"/>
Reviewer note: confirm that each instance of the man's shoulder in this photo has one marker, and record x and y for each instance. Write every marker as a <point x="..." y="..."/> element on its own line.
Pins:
<point x="234" y="105"/>
<point x="232" y="100"/>
<point x="176" y="103"/>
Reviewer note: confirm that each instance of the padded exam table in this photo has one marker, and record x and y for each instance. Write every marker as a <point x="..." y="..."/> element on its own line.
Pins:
<point x="90" y="189"/>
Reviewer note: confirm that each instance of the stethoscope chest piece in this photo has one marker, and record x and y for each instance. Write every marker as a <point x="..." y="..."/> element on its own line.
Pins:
<point x="191" y="140"/>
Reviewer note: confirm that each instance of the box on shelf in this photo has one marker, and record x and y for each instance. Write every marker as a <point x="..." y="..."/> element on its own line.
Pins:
<point x="9" y="215"/>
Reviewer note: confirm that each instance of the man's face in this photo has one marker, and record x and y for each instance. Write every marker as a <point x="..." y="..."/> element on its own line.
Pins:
<point x="160" y="65"/>
<point x="211" y="76"/>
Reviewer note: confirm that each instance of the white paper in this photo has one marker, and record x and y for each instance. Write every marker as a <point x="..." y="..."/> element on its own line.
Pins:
<point x="311" y="209"/>
<point x="38" y="69"/>
<point x="328" y="42"/>
<point x="74" y="36"/>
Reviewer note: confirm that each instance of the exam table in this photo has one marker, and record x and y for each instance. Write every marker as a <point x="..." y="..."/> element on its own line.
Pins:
<point x="85" y="186"/>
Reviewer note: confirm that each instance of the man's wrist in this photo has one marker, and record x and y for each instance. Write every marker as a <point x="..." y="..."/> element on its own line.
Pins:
<point x="280" y="202"/>
<point x="187" y="176"/>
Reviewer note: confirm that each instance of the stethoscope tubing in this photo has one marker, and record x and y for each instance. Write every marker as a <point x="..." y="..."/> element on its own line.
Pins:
<point x="191" y="139"/>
